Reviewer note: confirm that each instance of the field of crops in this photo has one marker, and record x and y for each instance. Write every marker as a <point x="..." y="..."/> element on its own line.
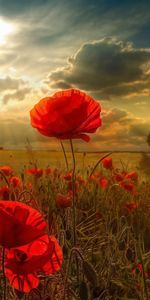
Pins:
<point x="98" y="223"/>
<point x="19" y="159"/>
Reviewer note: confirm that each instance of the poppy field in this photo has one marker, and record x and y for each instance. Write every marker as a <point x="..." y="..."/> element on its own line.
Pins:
<point x="81" y="231"/>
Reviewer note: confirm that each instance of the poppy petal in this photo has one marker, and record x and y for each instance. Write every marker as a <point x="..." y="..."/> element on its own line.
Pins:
<point x="22" y="283"/>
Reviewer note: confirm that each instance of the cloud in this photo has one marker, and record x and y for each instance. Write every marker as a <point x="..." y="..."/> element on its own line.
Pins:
<point x="14" y="89"/>
<point x="9" y="83"/>
<point x="121" y="131"/>
<point x="106" y="68"/>
<point x="18" y="95"/>
<point x="56" y="29"/>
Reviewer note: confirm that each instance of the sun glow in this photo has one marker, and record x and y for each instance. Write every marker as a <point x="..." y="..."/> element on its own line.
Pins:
<point x="6" y="29"/>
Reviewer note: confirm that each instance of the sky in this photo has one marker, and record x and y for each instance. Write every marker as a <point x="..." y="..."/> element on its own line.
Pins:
<point x="101" y="47"/>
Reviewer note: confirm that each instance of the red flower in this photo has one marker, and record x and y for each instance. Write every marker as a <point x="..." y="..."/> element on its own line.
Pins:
<point x="19" y="224"/>
<point x="118" y="177"/>
<point x="68" y="176"/>
<point x="139" y="270"/>
<point x="131" y="206"/>
<point x="5" y="192"/>
<point x="92" y="178"/>
<point x="48" y="171"/>
<point x="37" y="172"/>
<point x="23" y="264"/>
<point x="80" y="179"/>
<point x="63" y="201"/>
<point x="103" y="182"/>
<point x="127" y="185"/>
<point x="107" y="163"/>
<point x="15" y="181"/>
<point x="132" y="175"/>
<point x="67" y="114"/>
<point x="7" y="171"/>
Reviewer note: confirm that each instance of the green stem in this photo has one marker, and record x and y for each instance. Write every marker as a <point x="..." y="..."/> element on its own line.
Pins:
<point x="99" y="162"/>
<point x="4" y="177"/>
<point x="3" y="271"/>
<point x="73" y="195"/>
<point x="65" y="156"/>
<point x="143" y="270"/>
<point x="67" y="272"/>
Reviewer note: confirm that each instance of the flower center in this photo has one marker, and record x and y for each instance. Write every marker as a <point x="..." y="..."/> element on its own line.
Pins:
<point x="20" y="256"/>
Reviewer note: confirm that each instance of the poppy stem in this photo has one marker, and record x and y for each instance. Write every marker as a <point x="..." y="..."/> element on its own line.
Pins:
<point x="4" y="177"/>
<point x="99" y="162"/>
<point x="73" y="193"/>
<point x="143" y="269"/>
<point x="3" y="271"/>
<point x="65" y="156"/>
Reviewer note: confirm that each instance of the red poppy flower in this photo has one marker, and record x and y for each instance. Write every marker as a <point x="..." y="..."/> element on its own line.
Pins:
<point x="103" y="182"/>
<point x="127" y="185"/>
<point x="138" y="270"/>
<point x="6" y="170"/>
<point x="68" y="176"/>
<point x="107" y="163"/>
<point x="24" y="264"/>
<point x="131" y="206"/>
<point x="132" y="175"/>
<point x="19" y="224"/>
<point x="5" y="193"/>
<point x="15" y="181"/>
<point x="48" y="171"/>
<point x="67" y="114"/>
<point x="118" y="177"/>
<point x="37" y="172"/>
<point x="80" y="179"/>
<point x="63" y="201"/>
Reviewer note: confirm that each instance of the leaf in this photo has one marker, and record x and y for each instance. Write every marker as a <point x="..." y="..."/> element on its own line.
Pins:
<point x="83" y="291"/>
<point x="90" y="273"/>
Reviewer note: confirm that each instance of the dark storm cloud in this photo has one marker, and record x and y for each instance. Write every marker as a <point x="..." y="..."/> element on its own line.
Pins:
<point x="53" y="29"/>
<point x="106" y="67"/>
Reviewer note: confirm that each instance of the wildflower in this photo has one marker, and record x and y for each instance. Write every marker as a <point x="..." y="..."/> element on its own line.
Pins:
<point x="6" y="170"/>
<point x="47" y="171"/>
<point x="132" y="175"/>
<point x="118" y="177"/>
<point x="63" y="201"/>
<point x="19" y="224"/>
<point x="107" y="163"/>
<point x="23" y="264"/>
<point x="5" y="192"/>
<point x="103" y="182"/>
<point x="68" y="176"/>
<point x="138" y="270"/>
<point x="68" y="114"/>
<point x="37" y="172"/>
<point x="131" y="206"/>
<point x="92" y="178"/>
<point x="127" y="185"/>
<point x="80" y="179"/>
<point x="15" y="181"/>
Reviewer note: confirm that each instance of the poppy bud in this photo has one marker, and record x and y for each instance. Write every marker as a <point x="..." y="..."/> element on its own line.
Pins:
<point x="107" y="163"/>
